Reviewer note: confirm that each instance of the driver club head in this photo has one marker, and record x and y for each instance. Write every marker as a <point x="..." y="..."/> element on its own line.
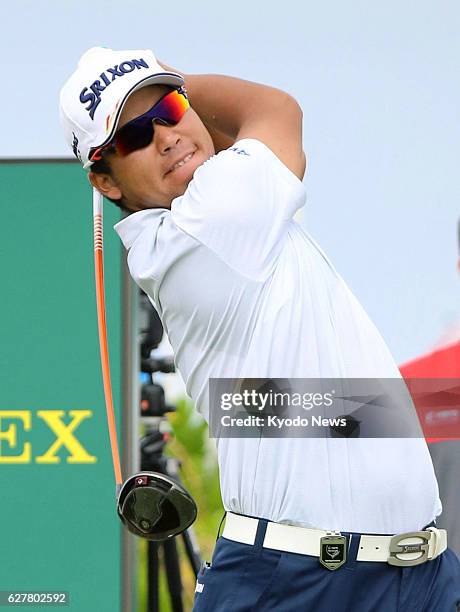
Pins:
<point x="155" y="506"/>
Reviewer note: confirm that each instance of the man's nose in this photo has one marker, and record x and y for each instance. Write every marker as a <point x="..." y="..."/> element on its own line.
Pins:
<point x="165" y="136"/>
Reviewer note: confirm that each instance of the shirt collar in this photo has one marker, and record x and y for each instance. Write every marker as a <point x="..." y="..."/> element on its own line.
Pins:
<point x="133" y="225"/>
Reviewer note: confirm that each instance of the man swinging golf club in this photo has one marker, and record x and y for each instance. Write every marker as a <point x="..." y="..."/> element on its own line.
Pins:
<point x="211" y="168"/>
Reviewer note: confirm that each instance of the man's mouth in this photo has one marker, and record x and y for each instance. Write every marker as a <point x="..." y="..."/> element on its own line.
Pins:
<point x="181" y="162"/>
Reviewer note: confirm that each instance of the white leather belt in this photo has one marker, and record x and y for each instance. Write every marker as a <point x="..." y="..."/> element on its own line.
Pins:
<point x="405" y="549"/>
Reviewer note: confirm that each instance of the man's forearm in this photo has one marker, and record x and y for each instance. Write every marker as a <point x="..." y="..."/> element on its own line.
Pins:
<point x="225" y="103"/>
<point x="220" y="140"/>
<point x="242" y="109"/>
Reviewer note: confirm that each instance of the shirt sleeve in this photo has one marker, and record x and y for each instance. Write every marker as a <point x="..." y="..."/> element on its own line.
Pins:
<point x="240" y="204"/>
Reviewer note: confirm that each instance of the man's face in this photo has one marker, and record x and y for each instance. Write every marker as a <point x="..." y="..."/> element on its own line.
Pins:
<point x="146" y="177"/>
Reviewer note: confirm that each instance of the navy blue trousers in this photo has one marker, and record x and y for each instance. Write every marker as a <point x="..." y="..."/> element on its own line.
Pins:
<point x="243" y="578"/>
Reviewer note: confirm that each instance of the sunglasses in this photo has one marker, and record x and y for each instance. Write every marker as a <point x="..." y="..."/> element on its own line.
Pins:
<point x="138" y="133"/>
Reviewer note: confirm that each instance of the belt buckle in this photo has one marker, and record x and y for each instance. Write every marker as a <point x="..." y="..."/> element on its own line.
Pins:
<point x="333" y="550"/>
<point x="396" y="548"/>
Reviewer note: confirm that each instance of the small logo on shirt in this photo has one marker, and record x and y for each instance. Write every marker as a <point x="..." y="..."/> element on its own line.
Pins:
<point x="239" y="151"/>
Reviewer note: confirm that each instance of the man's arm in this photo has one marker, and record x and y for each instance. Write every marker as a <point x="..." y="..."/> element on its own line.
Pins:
<point x="236" y="109"/>
<point x="221" y="141"/>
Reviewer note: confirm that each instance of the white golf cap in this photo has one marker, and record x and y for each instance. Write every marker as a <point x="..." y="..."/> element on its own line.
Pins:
<point x="92" y="99"/>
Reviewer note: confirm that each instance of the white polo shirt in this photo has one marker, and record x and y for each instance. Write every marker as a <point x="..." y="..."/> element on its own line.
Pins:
<point x="244" y="292"/>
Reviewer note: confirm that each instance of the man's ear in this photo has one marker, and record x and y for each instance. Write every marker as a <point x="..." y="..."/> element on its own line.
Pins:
<point x="105" y="184"/>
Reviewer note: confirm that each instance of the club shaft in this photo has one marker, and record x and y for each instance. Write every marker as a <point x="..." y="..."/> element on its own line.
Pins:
<point x="102" y="327"/>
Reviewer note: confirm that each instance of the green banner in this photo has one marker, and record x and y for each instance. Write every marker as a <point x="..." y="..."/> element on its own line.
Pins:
<point x="59" y="531"/>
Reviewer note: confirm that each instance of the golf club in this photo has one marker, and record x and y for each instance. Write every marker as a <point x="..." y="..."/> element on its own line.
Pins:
<point x="150" y="505"/>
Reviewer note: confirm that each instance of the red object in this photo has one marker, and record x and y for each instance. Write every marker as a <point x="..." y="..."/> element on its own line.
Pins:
<point x="434" y="383"/>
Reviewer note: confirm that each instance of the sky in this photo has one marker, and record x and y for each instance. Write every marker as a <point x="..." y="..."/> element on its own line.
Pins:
<point x="379" y="88"/>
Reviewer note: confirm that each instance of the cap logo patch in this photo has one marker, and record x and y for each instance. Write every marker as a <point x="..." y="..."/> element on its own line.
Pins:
<point x="92" y="94"/>
<point x="75" y="149"/>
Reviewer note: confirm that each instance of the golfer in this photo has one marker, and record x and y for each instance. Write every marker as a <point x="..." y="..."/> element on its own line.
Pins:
<point x="210" y="168"/>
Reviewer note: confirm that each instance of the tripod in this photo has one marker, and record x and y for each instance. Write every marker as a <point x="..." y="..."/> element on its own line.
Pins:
<point x="158" y="432"/>
<point x="153" y="459"/>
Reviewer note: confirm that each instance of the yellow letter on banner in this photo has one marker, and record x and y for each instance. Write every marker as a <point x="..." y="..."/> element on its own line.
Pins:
<point x="64" y="436"/>
<point x="10" y="435"/>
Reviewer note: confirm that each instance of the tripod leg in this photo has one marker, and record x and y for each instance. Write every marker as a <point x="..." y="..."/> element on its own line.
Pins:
<point x="173" y="574"/>
<point x="192" y="550"/>
<point x="152" y="577"/>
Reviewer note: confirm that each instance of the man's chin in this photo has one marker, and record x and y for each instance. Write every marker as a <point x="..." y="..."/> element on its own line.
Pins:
<point x="180" y="187"/>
